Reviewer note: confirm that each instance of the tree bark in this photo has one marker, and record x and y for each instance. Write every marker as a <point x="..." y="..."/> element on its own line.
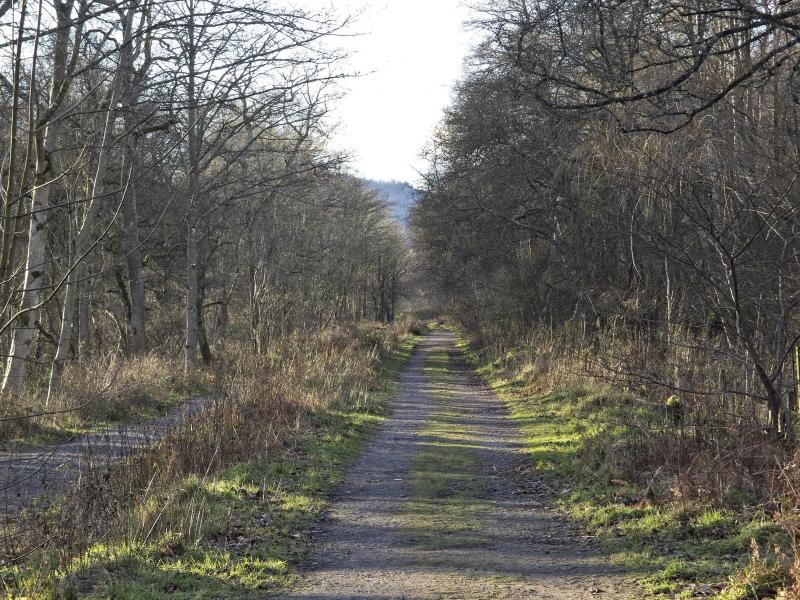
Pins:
<point x="133" y="258"/>
<point x="192" y="280"/>
<point x="84" y="313"/>
<point x="46" y="144"/>
<point x="82" y="246"/>
<point x="192" y="294"/>
<point x="131" y="89"/>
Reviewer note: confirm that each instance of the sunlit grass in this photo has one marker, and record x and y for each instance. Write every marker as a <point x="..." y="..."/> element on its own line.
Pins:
<point x="665" y="546"/>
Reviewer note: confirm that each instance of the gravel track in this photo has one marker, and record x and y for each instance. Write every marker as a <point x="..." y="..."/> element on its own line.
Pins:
<point x="31" y="472"/>
<point x="527" y="550"/>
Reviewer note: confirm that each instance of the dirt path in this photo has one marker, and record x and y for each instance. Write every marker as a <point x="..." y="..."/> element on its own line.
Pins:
<point x="442" y="504"/>
<point x="28" y="473"/>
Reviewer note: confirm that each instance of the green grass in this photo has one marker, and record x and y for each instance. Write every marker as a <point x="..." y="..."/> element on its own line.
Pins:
<point x="239" y="533"/>
<point x="575" y="439"/>
<point x="256" y="518"/>
<point x="447" y="489"/>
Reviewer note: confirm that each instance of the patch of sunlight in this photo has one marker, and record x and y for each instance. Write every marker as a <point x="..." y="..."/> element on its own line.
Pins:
<point x="222" y="565"/>
<point x="299" y="502"/>
<point x="448" y="489"/>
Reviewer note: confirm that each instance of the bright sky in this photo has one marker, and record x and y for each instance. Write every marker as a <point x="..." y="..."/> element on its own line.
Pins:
<point x="411" y="53"/>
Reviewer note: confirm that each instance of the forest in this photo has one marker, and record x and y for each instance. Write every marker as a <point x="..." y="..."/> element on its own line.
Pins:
<point x="614" y="191"/>
<point x="216" y="322"/>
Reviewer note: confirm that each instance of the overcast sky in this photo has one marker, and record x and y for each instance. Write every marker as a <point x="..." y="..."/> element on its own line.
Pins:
<point x="411" y="52"/>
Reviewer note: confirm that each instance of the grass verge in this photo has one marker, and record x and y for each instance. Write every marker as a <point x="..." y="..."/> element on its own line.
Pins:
<point x="578" y="435"/>
<point x="236" y="533"/>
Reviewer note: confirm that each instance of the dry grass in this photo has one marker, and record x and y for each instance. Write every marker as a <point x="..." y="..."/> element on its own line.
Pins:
<point x="118" y="388"/>
<point x="100" y="391"/>
<point x="712" y="445"/>
<point x="635" y="446"/>
<point x="261" y="410"/>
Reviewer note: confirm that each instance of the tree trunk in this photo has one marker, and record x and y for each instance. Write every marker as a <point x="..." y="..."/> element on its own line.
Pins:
<point x="202" y="335"/>
<point x="84" y="314"/>
<point x="22" y="337"/>
<point x="134" y="260"/>
<point x="9" y="224"/>
<point x="192" y="295"/>
<point x="131" y="90"/>
<point x="82" y="247"/>
<point x="31" y="297"/>
<point x="192" y="253"/>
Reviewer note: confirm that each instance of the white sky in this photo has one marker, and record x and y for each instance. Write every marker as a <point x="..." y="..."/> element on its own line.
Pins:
<point x="411" y="52"/>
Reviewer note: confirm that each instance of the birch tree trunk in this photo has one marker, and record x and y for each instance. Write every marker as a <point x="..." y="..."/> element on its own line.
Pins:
<point x="82" y="244"/>
<point x="22" y="337"/>
<point x="9" y="223"/>
<point x="46" y="144"/>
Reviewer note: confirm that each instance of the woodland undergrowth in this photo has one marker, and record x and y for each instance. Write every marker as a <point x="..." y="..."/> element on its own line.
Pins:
<point x="100" y="391"/>
<point x="689" y="493"/>
<point x="219" y="506"/>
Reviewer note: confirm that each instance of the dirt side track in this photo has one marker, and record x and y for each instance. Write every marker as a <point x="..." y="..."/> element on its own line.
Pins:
<point x="31" y="472"/>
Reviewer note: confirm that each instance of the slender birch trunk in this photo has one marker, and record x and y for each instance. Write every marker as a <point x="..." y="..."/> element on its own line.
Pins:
<point x="22" y="337"/>
<point x="9" y="222"/>
<point x="47" y="139"/>
<point x="82" y="244"/>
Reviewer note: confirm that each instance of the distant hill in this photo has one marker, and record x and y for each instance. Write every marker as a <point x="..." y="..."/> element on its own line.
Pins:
<point x="399" y="194"/>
